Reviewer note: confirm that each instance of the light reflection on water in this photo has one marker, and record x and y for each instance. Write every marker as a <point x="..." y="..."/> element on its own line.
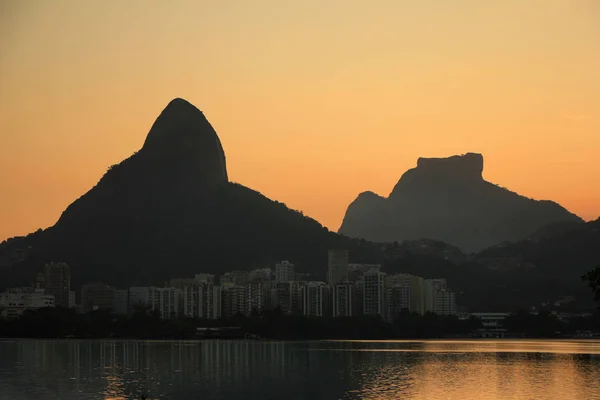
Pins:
<point x="344" y="370"/>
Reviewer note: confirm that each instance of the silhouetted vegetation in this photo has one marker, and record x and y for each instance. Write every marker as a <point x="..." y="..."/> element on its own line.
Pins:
<point x="592" y="277"/>
<point x="65" y="323"/>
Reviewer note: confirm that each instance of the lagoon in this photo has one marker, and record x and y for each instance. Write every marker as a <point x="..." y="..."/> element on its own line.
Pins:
<point x="262" y="370"/>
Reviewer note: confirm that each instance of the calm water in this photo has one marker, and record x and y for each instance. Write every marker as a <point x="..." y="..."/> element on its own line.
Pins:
<point x="39" y="369"/>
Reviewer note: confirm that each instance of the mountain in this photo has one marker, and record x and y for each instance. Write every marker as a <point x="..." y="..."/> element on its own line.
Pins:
<point x="170" y="211"/>
<point x="447" y="199"/>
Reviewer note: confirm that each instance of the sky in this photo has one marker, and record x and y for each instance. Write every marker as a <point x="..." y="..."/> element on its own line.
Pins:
<point x="314" y="101"/>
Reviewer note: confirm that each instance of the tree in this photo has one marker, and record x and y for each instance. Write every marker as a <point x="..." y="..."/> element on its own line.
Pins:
<point x="592" y="277"/>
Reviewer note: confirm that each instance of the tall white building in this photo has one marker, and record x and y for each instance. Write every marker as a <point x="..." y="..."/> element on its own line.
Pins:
<point x="256" y="293"/>
<point x="166" y="301"/>
<point x="374" y="293"/>
<point x="314" y="299"/>
<point x="284" y="272"/>
<point x="202" y="301"/>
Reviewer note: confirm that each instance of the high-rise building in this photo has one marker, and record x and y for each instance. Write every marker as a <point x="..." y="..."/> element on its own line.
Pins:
<point x="284" y="272"/>
<point x="417" y="294"/>
<point x="166" y="301"/>
<point x="397" y="299"/>
<point x="314" y="299"/>
<point x="445" y="302"/>
<point x="255" y="297"/>
<point x="431" y="287"/>
<point x="398" y="294"/>
<point x="72" y="301"/>
<point x="358" y="297"/>
<point x="97" y="296"/>
<point x="341" y="300"/>
<point x="233" y="300"/>
<point x="58" y="282"/>
<point x="202" y="301"/>
<point x="374" y="293"/>
<point x="337" y="271"/>
<point x="289" y="297"/>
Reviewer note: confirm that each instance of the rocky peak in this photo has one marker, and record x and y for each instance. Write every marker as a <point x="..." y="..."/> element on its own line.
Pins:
<point x="182" y="133"/>
<point x="468" y="165"/>
<point x="449" y="171"/>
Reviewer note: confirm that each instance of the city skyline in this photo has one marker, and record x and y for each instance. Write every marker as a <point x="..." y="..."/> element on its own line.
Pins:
<point x="366" y="291"/>
<point x="335" y="108"/>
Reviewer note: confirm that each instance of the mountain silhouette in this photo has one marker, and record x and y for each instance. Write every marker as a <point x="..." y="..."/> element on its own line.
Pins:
<point x="170" y="211"/>
<point x="447" y="199"/>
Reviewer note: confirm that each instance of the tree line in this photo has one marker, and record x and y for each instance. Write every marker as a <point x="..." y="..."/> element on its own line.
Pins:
<point x="273" y="324"/>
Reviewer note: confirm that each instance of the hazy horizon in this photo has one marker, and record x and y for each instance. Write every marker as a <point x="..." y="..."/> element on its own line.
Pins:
<point x="314" y="102"/>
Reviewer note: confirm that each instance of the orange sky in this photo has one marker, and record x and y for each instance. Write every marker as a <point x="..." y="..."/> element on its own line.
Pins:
<point x="314" y="100"/>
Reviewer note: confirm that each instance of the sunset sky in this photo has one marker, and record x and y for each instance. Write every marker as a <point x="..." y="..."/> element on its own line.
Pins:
<point x="314" y="101"/>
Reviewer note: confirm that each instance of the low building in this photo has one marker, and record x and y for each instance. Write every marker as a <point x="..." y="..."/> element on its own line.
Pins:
<point x="97" y="296"/>
<point x="15" y="301"/>
<point x="489" y="320"/>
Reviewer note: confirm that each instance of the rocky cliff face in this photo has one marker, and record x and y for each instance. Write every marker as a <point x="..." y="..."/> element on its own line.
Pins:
<point x="447" y="199"/>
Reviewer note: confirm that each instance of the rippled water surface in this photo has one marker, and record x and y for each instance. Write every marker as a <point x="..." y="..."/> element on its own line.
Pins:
<point x="41" y="369"/>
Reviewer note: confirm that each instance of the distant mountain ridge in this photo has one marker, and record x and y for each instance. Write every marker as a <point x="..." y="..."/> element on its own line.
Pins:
<point x="447" y="199"/>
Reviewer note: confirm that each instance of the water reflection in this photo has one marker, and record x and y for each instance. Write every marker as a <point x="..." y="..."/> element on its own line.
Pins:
<point x="300" y="370"/>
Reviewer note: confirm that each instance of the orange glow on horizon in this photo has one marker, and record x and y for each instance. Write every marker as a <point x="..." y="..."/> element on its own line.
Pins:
<point x="314" y="101"/>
